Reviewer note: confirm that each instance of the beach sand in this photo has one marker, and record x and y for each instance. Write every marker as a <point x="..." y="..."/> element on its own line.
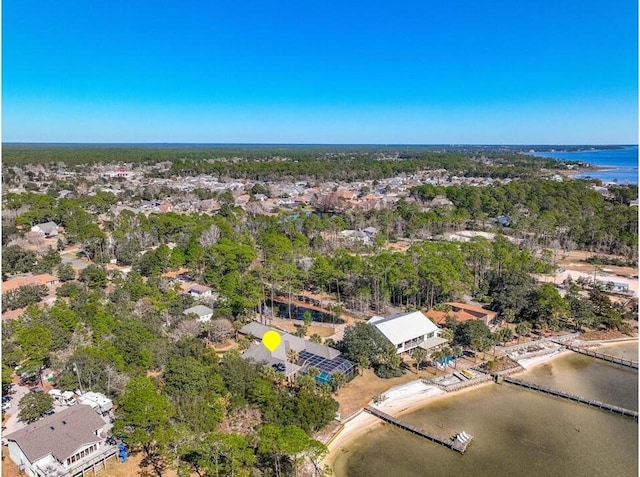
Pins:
<point x="532" y="362"/>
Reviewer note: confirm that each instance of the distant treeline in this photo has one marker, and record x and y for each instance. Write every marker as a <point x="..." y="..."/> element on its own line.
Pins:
<point x="279" y="162"/>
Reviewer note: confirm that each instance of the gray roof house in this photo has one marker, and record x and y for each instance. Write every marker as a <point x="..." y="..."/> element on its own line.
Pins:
<point x="65" y="443"/>
<point x="307" y="354"/>
<point x="49" y="229"/>
<point x="204" y="312"/>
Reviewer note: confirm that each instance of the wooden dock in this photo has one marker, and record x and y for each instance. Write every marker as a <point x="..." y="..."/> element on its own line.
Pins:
<point x="606" y="357"/>
<point x="452" y="444"/>
<point x="575" y="398"/>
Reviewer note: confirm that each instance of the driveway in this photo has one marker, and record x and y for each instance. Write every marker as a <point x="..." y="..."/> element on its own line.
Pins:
<point x="11" y="423"/>
<point x="75" y="263"/>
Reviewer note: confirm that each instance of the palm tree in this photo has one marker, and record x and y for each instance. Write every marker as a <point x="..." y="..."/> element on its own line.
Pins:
<point x="292" y="356"/>
<point x="313" y="371"/>
<point x="446" y="353"/>
<point x="523" y="329"/>
<point x="338" y="379"/>
<point x="418" y="354"/>
<point x="456" y="351"/>
<point x="436" y="356"/>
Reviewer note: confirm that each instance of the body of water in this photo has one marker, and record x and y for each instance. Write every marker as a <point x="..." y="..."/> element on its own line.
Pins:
<point x="621" y="164"/>
<point x="516" y="431"/>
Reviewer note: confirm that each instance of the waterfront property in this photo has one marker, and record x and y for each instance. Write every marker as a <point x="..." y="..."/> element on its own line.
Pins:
<point x="65" y="443"/>
<point x="462" y="312"/>
<point x="408" y="330"/>
<point x="296" y="355"/>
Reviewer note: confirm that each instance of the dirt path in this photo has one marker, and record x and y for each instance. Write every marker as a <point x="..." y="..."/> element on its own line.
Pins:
<point x="574" y="260"/>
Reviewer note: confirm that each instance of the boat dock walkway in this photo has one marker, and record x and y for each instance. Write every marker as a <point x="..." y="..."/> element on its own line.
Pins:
<point x="573" y="397"/>
<point x="606" y="357"/>
<point x="454" y="444"/>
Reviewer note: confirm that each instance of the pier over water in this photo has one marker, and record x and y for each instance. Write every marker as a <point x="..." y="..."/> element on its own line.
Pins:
<point x="454" y="444"/>
<point x="575" y="398"/>
<point x="605" y="357"/>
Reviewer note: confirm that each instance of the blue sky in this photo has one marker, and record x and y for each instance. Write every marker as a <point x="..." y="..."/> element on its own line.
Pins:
<point x="410" y="72"/>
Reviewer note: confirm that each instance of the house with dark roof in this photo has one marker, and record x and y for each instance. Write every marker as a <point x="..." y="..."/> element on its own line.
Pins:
<point x="63" y="444"/>
<point x="296" y="355"/>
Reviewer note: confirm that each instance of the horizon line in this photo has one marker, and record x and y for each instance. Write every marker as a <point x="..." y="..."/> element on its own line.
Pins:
<point x="74" y="143"/>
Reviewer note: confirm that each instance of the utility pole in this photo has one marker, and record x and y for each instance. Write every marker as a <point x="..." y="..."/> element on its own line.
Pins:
<point x="75" y="368"/>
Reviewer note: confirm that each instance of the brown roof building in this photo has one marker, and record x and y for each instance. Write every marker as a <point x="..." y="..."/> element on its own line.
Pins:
<point x="462" y="312"/>
<point x="35" y="280"/>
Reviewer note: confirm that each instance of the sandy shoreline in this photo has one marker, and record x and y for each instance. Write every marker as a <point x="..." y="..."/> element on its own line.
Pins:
<point x="363" y="422"/>
<point x="413" y="396"/>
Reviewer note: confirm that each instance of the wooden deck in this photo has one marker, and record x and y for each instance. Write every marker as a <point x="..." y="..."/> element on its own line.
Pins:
<point x="575" y="398"/>
<point x="606" y="357"/>
<point x="450" y="443"/>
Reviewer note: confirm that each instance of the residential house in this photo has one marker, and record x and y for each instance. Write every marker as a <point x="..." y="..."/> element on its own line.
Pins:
<point x="462" y="312"/>
<point x="48" y="229"/>
<point x="441" y="202"/>
<point x="34" y="280"/>
<point x="371" y="232"/>
<point x="65" y="443"/>
<point x="200" y="291"/>
<point x="356" y="236"/>
<point x="204" y="312"/>
<point x="296" y="355"/>
<point x="406" y="331"/>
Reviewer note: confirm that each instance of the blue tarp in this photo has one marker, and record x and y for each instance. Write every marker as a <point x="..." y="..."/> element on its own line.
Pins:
<point x="122" y="452"/>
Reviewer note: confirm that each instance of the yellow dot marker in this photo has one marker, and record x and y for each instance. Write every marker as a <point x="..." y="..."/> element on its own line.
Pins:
<point x="271" y="340"/>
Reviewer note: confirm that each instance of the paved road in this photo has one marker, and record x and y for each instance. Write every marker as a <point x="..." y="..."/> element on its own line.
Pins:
<point x="75" y="263"/>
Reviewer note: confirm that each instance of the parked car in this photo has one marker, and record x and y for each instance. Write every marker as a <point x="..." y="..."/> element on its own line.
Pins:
<point x="5" y="406"/>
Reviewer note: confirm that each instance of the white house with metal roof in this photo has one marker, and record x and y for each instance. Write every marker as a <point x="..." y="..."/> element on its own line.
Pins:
<point x="408" y="330"/>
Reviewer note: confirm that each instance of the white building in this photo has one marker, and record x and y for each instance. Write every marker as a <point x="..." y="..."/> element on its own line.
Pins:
<point x="98" y="402"/>
<point x="408" y="330"/>
<point x="204" y="312"/>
